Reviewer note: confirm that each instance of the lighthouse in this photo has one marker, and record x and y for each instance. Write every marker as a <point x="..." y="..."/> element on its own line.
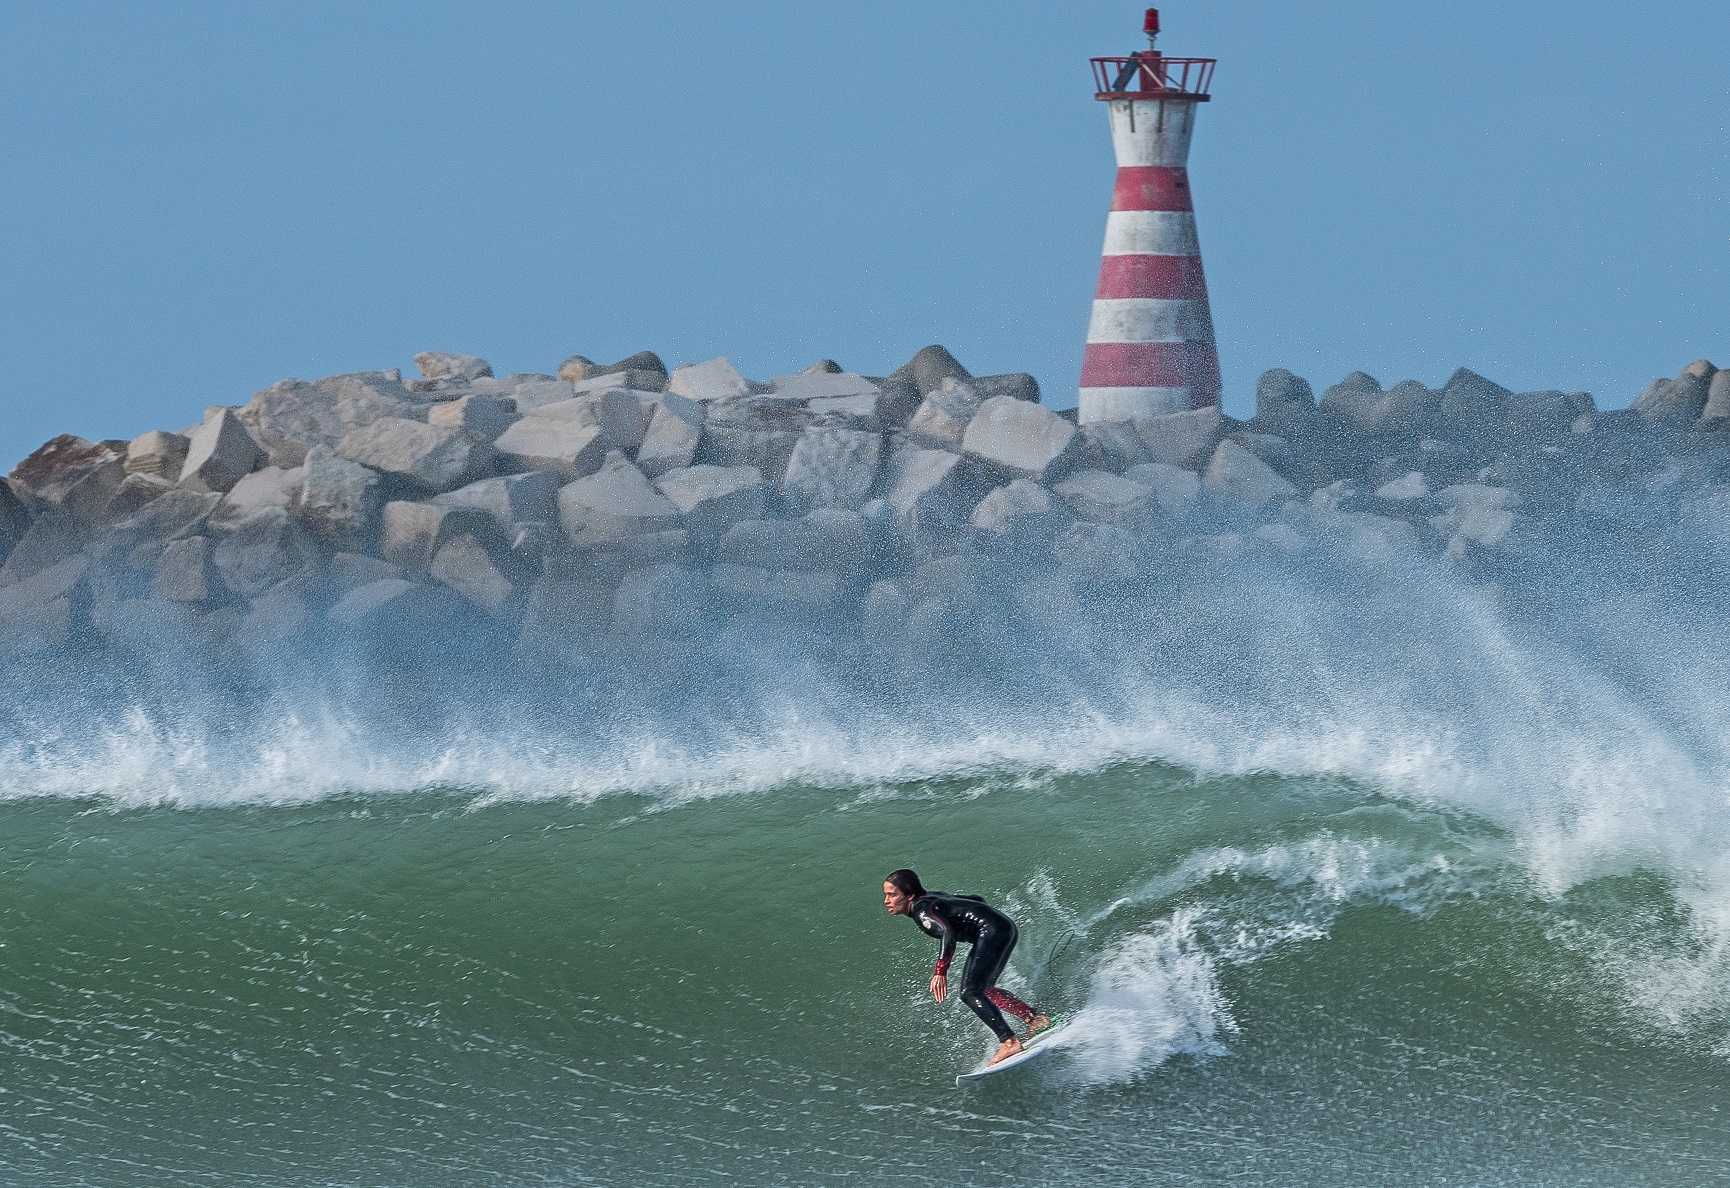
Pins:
<point x="1150" y="345"/>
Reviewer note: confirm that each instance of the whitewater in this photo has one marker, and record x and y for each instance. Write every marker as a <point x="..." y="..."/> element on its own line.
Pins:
<point x="1350" y="867"/>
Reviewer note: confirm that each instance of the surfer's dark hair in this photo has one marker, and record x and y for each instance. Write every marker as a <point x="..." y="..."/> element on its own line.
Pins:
<point x="906" y="882"/>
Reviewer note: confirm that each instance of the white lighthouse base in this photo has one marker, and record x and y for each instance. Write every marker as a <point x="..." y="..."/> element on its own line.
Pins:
<point x="1130" y="404"/>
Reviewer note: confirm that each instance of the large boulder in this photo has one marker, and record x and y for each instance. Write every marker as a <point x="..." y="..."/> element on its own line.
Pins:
<point x="929" y="368"/>
<point x="538" y="393"/>
<point x="1470" y="406"/>
<point x="623" y="415"/>
<point x="825" y="392"/>
<point x="1677" y="402"/>
<point x="1107" y="499"/>
<point x="675" y="431"/>
<point x="1020" y="512"/>
<point x="1175" y="489"/>
<point x="666" y="601"/>
<point x="339" y="499"/>
<point x="410" y="534"/>
<point x="479" y="567"/>
<point x="828" y="539"/>
<point x="564" y="447"/>
<point x="185" y="572"/>
<point x="262" y="550"/>
<point x="480" y="414"/>
<point x="39" y="613"/>
<point x="1018" y="384"/>
<point x="1283" y="400"/>
<point x="711" y="498"/>
<point x="715" y="380"/>
<point x="446" y="365"/>
<point x="1477" y="514"/>
<point x="271" y="486"/>
<point x="833" y="467"/>
<point x="157" y="453"/>
<point x="220" y="454"/>
<point x="433" y="457"/>
<point x="1359" y="401"/>
<point x="615" y="502"/>
<point x="73" y="476"/>
<point x="134" y="492"/>
<point x="290" y="417"/>
<point x="511" y="501"/>
<point x="1022" y="440"/>
<point x="1184" y="439"/>
<point x="760" y="431"/>
<point x="1717" y="410"/>
<point x="926" y="492"/>
<point x="1237" y="477"/>
<point x="14" y="519"/>
<point x="942" y="418"/>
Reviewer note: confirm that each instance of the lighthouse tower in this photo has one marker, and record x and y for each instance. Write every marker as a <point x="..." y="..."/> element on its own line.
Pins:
<point x="1150" y="346"/>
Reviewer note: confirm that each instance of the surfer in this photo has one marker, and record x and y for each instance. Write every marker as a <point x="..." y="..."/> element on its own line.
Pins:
<point x="954" y="918"/>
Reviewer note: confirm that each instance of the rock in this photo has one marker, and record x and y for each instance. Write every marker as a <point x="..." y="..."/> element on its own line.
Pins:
<point x="431" y="456"/>
<point x="1022" y="440"/>
<point x="646" y="362"/>
<point x="339" y="499"/>
<point x="760" y="431"/>
<point x="174" y="513"/>
<point x="942" y="418"/>
<point x="929" y="368"/>
<point x="925" y="491"/>
<point x="634" y="381"/>
<point x="715" y="380"/>
<point x="1174" y="489"/>
<point x="828" y="539"/>
<point x="443" y="365"/>
<point x="511" y="501"/>
<point x="1111" y="445"/>
<point x="185" y="573"/>
<point x="220" y="454"/>
<point x="1018" y="385"/>
<point x="396" y="610"/>
<point x="563" y="619"/>
<point x="1717" y="408"/>
<point x="264" y="549"/>
<point x="275" y="617"/>
<point x="72" y="476"/>
<point x="14" y="519"/>
<point x="38" y="613"/>
<point x="833" y="467"/>
<point x="1283" y="400"/>
<point x="290" y="417"/>
<point x="1408" y="486"/>
<point x="711" y="498"/>
<point x="1359" y="401"/>
<point x="537" y="394"/>
<point x="133" y="493"/>
<point x="1184" y="439"/>
<point x="1020" y="511"/>
<point x="576" y="367"/>
<point x="661" y="600"/>
<point x="1097" y="554"/>
<point x="1237" y="476"/>
<point x="615" y="502"/>
<point x="410" y="534"/>
<point x="157" y="453"/>
<point x="480" y="415"/>
<point x="1107" y="499"/>
<point x="674" y="434"/>
<point x="1470" y="405"/>
<point x="822" y="385"/>
<point x="271" y="486"/>
<point x="776" y="590"/>
<point x="1536" y="418"/>
<point x="563" y="447"/>
<point x="1702" y="368"/>
<point x="51" y="536"/>
<point x="482" y="571"/>
<point x="624" y="416"/>
<point x="1477" y="514"/>
<point x="1676" y="402"/>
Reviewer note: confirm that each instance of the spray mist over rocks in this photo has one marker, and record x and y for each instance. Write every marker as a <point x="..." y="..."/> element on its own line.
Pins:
<point x="618" y="578"/>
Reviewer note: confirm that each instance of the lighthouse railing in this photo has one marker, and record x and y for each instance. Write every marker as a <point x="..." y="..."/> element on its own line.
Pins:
<point x="1153" y="76"/>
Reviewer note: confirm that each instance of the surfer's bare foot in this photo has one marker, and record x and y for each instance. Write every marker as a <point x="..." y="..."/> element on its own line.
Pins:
<point x="1005" y="1050"/>
<point x="1037" y="1024"/>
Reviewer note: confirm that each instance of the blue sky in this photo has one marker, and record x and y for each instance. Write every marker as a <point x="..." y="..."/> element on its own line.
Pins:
<point x="202" y="198"/>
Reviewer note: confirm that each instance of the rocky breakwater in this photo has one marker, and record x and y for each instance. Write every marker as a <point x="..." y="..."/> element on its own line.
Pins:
<point x="546" y="521"/>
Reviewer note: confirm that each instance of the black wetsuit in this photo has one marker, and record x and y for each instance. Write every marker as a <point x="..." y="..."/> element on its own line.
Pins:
<point x="967" y="918"/>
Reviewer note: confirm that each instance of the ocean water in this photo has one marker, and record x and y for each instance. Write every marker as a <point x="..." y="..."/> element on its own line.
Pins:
<point x="1349" y="871"/>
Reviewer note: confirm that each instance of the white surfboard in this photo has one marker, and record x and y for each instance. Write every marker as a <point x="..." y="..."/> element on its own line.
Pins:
<point x="1033" y="1049"/>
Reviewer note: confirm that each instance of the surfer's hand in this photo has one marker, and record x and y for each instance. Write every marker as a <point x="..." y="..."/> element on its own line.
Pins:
<point x="939" y="987"/>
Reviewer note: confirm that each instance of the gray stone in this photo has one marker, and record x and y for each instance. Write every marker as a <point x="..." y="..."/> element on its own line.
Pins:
<point x="563" y="619"/>
<point x="828" y="539"/>
<point x="624" y="416"/>
<point x="674" y="434"/>
<point x="133" y="493"/>
<point x="37" y="614"/>
<point x="487" y="575"/>
<point x="1702" y="368"/>
<point x="1677" y="402"/>
<point x="634" y="381"/>
<point x="73" y="476"/>
<point x="1022" y="440"/>
<point x="1107" y="499"/>
<point x="760" y="431"/>
<point x="776" y="589"/>
<point x="290" y="417"/>
<point x="51" y="536"/>
<point x="434" y="457"/>
<point x="264" y="549"/>
<point x="1238" y="477"/>
<point x="14" y="519"/>
<point x="1112" y="445"/>
<point x="410" y="534"/>
<point x="1175" y="489"/>
<point x="393" y="605"/>
<point x="715" y="380"/>
<point x="669" y="601"/>
<point x="1018" y="384"/>
<point x="339" y="499"/>
<point x="536" y="394"/>
<point x="1283" y="400"/>
<point x="711" y="498"/>
<point x="185" y="573"/>
<point x="1408" y="486"/>
<point x="1532" y="418"/>
<point x="174" y="513"/>
<point x="942" y="418"/>
<point x="1717" y="399"/>
<point x="563" y="447"/>
<point x="157" y="453"/>
<point x="1359" y="401"/>
<point x="1184" y="439"/>
<point x="1477" y="515"/>
<point x="925" y="491"/>
<point x="929" y="368"/>
<point x="822" y="385"/>
<point x="576" y="367"/>
<point x="271" y="486"/>
<point x="1471" y="405"/>
<point x="1021" y="511"/>
<point x="511" y="501"/>
<point x="833" y="467"/>
<point x="220" y="454"/>
<point x="615" y="502"/>
<point x="481" y="415"/>
<point x="444" y="365"/>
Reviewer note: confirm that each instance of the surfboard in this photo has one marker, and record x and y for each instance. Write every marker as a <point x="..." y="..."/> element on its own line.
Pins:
<point x="1033" y="1049"/>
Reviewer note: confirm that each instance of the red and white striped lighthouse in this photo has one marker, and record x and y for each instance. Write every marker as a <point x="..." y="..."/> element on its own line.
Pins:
<point x="1150" y="346"/>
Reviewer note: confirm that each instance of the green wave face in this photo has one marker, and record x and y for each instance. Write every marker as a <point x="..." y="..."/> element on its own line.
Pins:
<point x="1281" y="980"/>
